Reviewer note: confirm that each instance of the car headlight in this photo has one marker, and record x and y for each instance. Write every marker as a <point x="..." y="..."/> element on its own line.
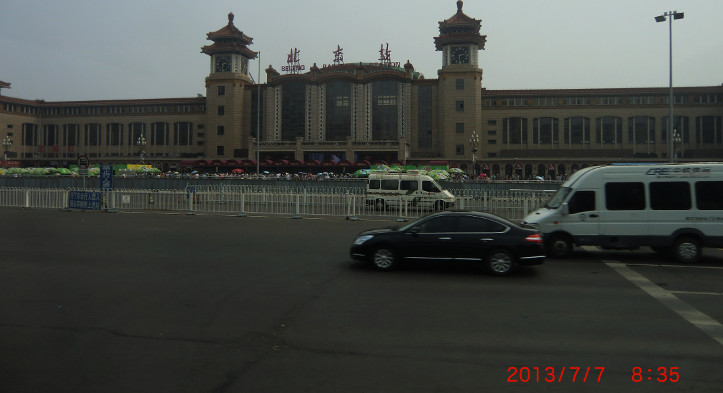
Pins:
<point x="361" y="239"/>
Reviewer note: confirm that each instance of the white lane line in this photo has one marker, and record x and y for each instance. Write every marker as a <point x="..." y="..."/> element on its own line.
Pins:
<point x="677" y="266"/>
<point x="700" y="320"/>
<point x="697" y="293"/>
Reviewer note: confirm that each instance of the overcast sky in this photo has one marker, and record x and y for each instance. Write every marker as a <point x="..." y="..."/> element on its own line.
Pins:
<point x="60" y="50"/>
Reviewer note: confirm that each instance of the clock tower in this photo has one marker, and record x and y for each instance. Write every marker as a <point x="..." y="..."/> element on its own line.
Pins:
<point x="227" y="130"/>
<point x="460" y="85"/>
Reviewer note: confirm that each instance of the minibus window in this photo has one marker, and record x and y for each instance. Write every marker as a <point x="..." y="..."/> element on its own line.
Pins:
<point x="582" y="201"/>
<point x="670" y="196"/>
<point x="625" y="196"/>
<point x="558" y="198"/>
<point x="410" y="185"/>
<point x="429" y="186"/>
<point x="374" y="184"/>
<point x="709" y="195"/>
<point x="390" y="184"/>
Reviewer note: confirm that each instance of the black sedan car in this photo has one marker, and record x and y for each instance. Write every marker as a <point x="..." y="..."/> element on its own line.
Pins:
<point x="453" y="236"/>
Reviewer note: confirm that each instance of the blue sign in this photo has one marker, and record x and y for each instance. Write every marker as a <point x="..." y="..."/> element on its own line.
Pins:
<point x="106" y="177"/>
<point x="85" y="200"/>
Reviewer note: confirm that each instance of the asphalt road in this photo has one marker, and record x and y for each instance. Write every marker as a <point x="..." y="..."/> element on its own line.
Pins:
<point x="123" y="302"/>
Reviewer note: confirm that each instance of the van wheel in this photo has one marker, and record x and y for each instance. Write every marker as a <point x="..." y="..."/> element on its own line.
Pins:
<point x="379" y="204"/>
<point x="687" y="249"/>
<point x="559" y="246"/>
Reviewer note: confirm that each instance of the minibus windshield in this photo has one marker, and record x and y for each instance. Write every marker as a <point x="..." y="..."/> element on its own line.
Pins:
<point x="558" y="198"/>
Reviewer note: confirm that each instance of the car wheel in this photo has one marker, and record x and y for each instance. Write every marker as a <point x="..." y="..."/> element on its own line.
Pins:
<point x="500" y="262"/>
<point x="559" y="246"/>
<point x="687" y="249"/>
<point x="379" y="204"/>
<point x="384" y="258"/>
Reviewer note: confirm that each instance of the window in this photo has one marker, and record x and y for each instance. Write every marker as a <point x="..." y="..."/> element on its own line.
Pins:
<point x="460" y="128"/>
<point x="460" y="84"/>
<point x="429" y="186"/>
<point x="390" y="184"/>
<point x="220" y="130"/>
<point x="625" y="196"/>
<point x="459" y="150"/>
<point x="707" y="195"/>
<point x="514" y="130"/>
<point x="492" y="141"/>
<point x="582" y="201"/>
<point x="219" y="150"/>
<point x="670" y="196"/>
<point x="460" y="106"/>
<point x="221" y="90"/>
<point x="491" y="122"/>
<point x="438" y="225"/>
<point x="409" y="185"/>
<point x="375" y="184"/>
<point x="221" y="110"/>
<point x="475" y="224"/>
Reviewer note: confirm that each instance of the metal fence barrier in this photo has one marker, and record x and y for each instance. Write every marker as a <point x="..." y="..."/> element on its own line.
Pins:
<point x="254" y="200"/>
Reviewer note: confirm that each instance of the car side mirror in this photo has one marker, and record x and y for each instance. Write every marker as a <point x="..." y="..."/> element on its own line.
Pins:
<point x="565" y="209"/>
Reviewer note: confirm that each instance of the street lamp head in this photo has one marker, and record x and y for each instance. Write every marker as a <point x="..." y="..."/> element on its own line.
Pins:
<point x="660" y="18"/>
<point x="678" y="15"/>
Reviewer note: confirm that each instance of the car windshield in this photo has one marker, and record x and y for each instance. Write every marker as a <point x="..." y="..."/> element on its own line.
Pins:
<point x="556" y="200"/>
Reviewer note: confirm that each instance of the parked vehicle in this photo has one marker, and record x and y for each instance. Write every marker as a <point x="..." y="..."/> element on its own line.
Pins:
<point x="408" y="188"/>
<point x="453" y="236"/>
<point x="672" y="208"/>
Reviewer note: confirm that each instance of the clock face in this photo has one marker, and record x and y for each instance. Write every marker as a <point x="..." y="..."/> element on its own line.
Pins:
<point x="460" y="55"/>
<point x="223" y="63"/>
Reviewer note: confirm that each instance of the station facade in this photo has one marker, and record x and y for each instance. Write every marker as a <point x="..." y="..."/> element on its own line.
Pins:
<point x="346" y="115"/>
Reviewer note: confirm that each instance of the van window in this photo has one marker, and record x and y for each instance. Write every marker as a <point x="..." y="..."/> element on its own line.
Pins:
<point x="374" y="184"/>
<point x="411" y="185"/>
<point x="625" y="196"/>
<point x="708" y="195"/>
<point x="429" y="186"/>
<point x="582" y="201"/>
<point x="390" y="184"/>
<point x="670" y="196"/>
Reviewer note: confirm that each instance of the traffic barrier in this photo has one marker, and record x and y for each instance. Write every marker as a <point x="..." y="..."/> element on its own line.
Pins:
<point x="513" y="205"/>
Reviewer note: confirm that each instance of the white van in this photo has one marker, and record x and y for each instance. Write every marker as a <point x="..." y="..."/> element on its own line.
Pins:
<point x="411" y="188"/>
<point x="674" y="208"/>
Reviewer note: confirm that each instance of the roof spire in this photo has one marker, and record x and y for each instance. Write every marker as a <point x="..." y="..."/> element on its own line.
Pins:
<point x="230" y="18"/>
<point x="459" y="5"/>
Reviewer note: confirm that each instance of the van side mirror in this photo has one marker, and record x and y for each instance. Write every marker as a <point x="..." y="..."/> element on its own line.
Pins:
<point x="565" y="209"/>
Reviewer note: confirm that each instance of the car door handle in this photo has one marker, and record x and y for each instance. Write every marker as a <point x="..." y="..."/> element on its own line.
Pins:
<point x="594" y="216"/>
<point x="445" y="238"/>
<point x="487" y="239"/>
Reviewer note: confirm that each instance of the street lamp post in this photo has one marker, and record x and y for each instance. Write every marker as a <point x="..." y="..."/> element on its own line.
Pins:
<point x="669" y="16"/>
<point x="6" y="145"/>
<point x="142" y="143"/>
<point x="474" y="142"/>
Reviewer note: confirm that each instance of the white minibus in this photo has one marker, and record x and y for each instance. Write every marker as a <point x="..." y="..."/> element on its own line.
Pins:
<point x="672" y="208"/>
<point x="409" y="188"/>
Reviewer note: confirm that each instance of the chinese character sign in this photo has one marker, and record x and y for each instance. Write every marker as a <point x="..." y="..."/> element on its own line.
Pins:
<point x="338" y="55"/>
<point x="385" y="54"/>
<point x="106" y="177"/>
<point x="292" y="59"/>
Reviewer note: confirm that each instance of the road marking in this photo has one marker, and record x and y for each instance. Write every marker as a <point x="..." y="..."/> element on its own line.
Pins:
<point x="677" y="266"/>
<point x="697" y="293"/>
<point x="700" y="320"/>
